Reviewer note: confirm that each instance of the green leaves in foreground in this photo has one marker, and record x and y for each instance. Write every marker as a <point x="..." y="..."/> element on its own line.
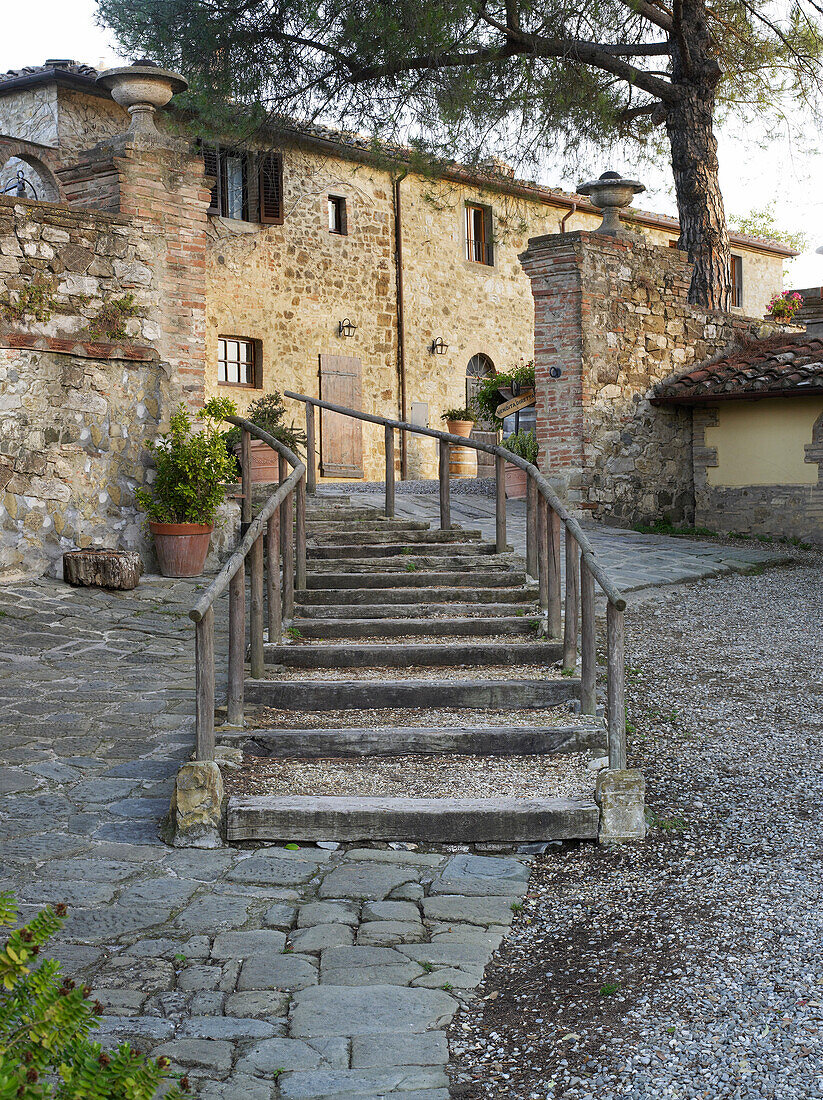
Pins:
<point x="45" y="1021"/>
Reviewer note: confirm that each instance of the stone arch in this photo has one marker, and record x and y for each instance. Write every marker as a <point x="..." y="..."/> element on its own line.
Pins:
<point x="34" y="161"/>
<point x="480" y="366"/>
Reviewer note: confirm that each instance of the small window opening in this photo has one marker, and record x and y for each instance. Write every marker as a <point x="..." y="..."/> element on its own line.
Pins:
<point x="238" y="362"/>
<point x="479" y="247"/>
<point x="337" y="215"/>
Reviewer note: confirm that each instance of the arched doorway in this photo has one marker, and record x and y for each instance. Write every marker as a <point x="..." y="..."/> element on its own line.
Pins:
<point x="30" y="178"/>
<point x="480" y="367"/>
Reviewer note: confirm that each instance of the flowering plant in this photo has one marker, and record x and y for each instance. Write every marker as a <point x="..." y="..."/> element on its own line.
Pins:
<point x="784" y="305"/>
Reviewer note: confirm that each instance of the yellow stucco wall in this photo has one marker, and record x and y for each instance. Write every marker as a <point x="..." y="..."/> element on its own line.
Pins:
<point x="762" y="442"/>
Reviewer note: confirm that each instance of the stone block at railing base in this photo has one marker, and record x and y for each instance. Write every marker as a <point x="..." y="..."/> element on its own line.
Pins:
<point x="197" y="806"/>
<point x="621" y="798"/>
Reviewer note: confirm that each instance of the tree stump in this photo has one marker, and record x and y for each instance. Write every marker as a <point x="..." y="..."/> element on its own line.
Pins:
<point x="102" y="568"/>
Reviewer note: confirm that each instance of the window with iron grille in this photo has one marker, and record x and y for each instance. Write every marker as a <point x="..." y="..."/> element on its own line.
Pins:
<point x="479" y="367"/>
<point x="479" y="246"/>
<point x="247" y="186"/>
<point x="238" y="362"/>
<point x="337" y="215"/>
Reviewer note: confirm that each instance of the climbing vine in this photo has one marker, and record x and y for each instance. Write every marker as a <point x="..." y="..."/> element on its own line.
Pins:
<point x="110" y="322"/>
<point x="35" y="300"/>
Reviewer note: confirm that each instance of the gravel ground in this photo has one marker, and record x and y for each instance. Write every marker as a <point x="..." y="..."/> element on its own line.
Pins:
<point x="690" y="965"/>
<point x="375" y="719"/>
<point x="420" y="672"/>
<point x="418" y="776"/>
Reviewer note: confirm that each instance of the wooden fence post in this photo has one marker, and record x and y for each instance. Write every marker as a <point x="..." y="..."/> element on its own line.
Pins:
<point x="256" y="657"/>
<point x="555" y="602"/>
<point x="237" y="646"/>
<point x="245" y="464"/>
<point x="499" y="504"/>
<point x="572" y="601"/>
<point x="588" y="642"/>
<point x="445" y="508"/>
<point x="300" y="535"/>
<point x="287" y="546"/>
<point x="204" y="677"/>
<point x="531" y="527"/>
<point x="273" y="604"/>
<point x="543" y="551"/>
<point x="616" y="694"/>
<point x="389" y="438"/>
<point x="311" y="467"/>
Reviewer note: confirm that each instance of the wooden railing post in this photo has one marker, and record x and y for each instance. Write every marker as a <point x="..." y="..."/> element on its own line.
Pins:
<point x="273" y="604"/>
<point x="588" y="642"/>
<point x="204" y="676"/>
<point x="555" y="601"/>
<point x="445" y="507"/>
<point x="572" y="601"/>
<point x="237" y="647"/>
<point x="256" y="658"/>
<point x="543" y="551"/>
<point x="311" y="462"/>
<point x="499" y="504"/>
<point x="300" y="535"/>
<point x="245" y="474"/>
<point x="531" y="527"/>
<point x="616" y="694"/>
<point x="389" y="437"/>
<point x="287" y="546"/>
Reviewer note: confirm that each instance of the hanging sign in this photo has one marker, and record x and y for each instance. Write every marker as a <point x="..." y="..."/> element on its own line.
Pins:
<point x="524" y="401"/>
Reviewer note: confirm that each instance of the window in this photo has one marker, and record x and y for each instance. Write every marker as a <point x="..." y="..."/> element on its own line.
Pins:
<point x="737" y="280"/>
<point x="238" y="362"/>
<point x="337" y="215"/>
<point x="248" y="186"/>
<point x="479" y="367"/>
<point x="479" y="246"/>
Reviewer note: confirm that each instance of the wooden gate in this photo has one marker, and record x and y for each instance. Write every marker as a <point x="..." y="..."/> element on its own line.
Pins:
<point x="341" y="437"/>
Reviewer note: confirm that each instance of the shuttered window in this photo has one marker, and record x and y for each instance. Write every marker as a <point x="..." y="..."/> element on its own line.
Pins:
<point x="270" y="176"/>
<point x="247" y="186"/>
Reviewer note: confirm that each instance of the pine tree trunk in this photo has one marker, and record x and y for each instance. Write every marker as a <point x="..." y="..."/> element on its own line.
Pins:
<point x="689" y="121"/>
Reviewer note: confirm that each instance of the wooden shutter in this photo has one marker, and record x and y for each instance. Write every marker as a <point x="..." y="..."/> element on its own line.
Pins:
<point x="270" y="183"/>
<point x="341" y="437"/>
<point x="211" y="167"/>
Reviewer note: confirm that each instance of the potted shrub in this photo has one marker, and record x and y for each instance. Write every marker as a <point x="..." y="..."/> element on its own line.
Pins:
<point x="523" y="444"/>
<point x="784" y="306"/>
<point x="459" y="421"/>
<point x="266" y="412"/>
<point x="192" y="468"/>
<point x="497" y="388"/>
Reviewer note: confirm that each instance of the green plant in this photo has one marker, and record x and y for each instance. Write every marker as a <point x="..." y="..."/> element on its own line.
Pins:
<point x="36" y="300"/>
<point x="411" y="567"/>
<point x="608" y="989"/>
<point x="671" y="1030"/>
<point x="45" y="1021"/>
<point x="459" y="414"/>
<point x="523" y="444"/>
<point x="110" y="321"/>
<point x="665" y="824"/>
<point x="181" y="960"/>
<point x="516" y="906"/>
<point x="428" y="967"/>
<point x="447" y="986"/>
<point x="192" y="468"/>
<point x="267" y="412"/>
<point x="294" y="634"/>
<point x="488" y="397"/>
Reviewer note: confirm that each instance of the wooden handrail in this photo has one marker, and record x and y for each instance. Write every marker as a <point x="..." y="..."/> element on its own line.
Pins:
<point x="544" y="488"/>
<point x="232" y="576"/>
<point x="544" y="514"/>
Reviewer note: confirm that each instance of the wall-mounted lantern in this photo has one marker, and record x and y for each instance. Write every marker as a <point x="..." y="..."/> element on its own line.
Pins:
<point x="438" y="346"/>
<point x="555" y="372"/>
<point x="346" y="328"/>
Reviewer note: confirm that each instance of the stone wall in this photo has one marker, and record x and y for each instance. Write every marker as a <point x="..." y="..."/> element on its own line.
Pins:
<point x="612" y="314"/>
<point x="777" y="511"/>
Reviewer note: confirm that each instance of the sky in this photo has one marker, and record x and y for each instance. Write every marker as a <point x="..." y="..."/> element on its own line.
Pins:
<point x="751" y="177"/>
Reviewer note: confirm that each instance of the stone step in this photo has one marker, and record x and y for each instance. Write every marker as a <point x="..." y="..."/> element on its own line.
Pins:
<point x="470" y="551"/>
<point x="412" y="600"/>
<point x="416" y="610"/>
<point x="311" y="695"/>
<point x="427" y="820"/>
<point x="375" y="522"/>
<point x="417" y="741"/>
<point x="451" y="627"/>
<point x="423" y="535"/>
<point x="504" y="578"/>
<point x="410" y="563"/>
<point x="416" y="655"/>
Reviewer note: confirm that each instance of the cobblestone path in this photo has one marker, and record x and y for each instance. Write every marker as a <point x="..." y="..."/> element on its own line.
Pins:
<point x="264" y="972"/>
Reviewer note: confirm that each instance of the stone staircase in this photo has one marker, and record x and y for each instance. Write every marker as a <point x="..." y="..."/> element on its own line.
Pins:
<point x="398" y="617"/>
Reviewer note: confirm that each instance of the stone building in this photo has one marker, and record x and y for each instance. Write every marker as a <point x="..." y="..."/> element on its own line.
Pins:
<point x="138" y="270"/>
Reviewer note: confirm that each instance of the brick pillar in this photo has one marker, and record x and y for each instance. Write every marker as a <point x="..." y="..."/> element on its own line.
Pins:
<point x="553" y="263"/>
<point x="161" y="182"/>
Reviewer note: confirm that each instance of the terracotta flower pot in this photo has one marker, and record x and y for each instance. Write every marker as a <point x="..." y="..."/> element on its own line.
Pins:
<point x="264" y="462"/>
<point x="460" y="427"/>
<point x="516" y="480"/>
<point x="181" y="547"/>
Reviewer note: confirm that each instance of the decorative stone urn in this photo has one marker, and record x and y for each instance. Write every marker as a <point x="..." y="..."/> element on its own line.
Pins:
<point x="611" y="194"/>
<point x="141" y="88"/>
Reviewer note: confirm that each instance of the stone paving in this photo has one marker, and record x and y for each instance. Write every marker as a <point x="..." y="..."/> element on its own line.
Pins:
<point x="265" y="973"/>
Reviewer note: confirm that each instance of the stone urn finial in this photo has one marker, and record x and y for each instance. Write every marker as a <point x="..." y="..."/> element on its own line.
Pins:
<point x="141" y="88"/>
<point x="611" y="193"/>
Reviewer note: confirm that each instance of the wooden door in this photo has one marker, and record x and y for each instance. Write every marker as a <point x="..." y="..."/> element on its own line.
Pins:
<point x="341" y="437"/>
